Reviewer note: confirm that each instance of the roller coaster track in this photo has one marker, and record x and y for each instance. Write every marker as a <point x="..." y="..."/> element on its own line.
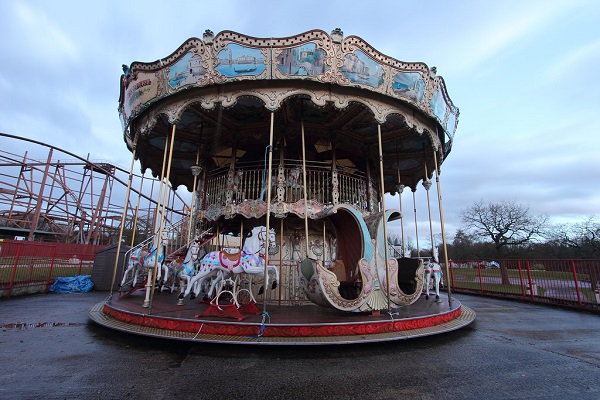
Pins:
<point x="67" y="198"/>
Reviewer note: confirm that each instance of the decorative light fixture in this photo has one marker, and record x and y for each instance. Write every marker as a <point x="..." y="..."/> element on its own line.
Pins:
<point x="196" y="170"/>
<point x="426" y="184"/>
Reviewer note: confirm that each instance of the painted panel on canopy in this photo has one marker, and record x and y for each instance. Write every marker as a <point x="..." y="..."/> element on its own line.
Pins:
<point x="139" y="91"/>
<point x="236" y="60"/>
<point x="305" y="60"/>
<point x="361" y="69"/>
<point x="438" y="105"/>
<point x="410" y="85"/>
<point x="186" y="71"/>
<point x="451" y="123"/>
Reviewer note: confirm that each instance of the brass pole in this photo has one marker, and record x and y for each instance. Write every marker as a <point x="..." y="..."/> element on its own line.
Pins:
<point x="161" y="187"/>
<point x="382" y="182"/>
<point x="416" y="224"/>
<point x="155" y="222"/>
<point x="324" y="243"/>
<point x="194" y="198"/>
<point x="304" y="188"/>
<point x="446" y="262"/>
<point x="400" y="190"/>
<point x="123" y="216"/>
<point x="269" y="177"/>
<point x="152" y="273"/>
<point x="280" y="256"/>
<point x="427" y="186"/>
<point x="135" y="218"/>
<point x="137" y="209"/>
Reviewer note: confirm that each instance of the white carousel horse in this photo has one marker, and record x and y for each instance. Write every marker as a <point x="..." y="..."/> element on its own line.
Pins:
<point x="433" y="269"/>
<point x="171" y="270"/>
<point x="145" y="258"/>
<point x="186" y="268"/>
<point x="250" y="261"/>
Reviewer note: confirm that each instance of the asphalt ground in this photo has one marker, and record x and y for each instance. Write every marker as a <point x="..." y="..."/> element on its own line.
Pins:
<point x="50" y="350"/>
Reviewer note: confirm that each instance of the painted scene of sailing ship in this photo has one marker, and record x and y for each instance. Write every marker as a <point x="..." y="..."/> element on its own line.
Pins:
<point x="302" y="60"/>
<point x="236" y="60"/>
<point x="409" y="85"/>
<point x="361" y="69"/>
<point x="186" y="71"/>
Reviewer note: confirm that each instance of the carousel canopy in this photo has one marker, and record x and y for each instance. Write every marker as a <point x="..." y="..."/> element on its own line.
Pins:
<point x="217" y="95"/>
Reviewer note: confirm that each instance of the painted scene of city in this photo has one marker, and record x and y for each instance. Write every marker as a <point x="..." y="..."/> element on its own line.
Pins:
<point x="361" y="69"/>
<point x="236" y="60"/>
<point x="186" y="71"/>
<point x="302" y="60"/>
<point x="409" y="85"/>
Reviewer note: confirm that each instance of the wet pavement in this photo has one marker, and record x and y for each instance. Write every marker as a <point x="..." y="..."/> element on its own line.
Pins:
<point x="513" y="350"/>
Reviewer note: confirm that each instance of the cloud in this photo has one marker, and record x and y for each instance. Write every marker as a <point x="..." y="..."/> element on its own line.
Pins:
<point x="500" y="26"/>
<point x="581" y="59"/>
<point x="44" y="37"/>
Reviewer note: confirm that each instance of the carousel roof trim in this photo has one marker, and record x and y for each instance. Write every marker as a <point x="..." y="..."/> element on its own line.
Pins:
<point x="231" y="57"/>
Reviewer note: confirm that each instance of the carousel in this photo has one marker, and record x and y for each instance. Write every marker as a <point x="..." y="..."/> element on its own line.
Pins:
<point x="290" y="148"/>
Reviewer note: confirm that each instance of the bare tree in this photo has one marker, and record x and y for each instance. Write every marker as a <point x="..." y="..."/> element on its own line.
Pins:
<point x="505" y="224"/>
<point x="582" y="239"/>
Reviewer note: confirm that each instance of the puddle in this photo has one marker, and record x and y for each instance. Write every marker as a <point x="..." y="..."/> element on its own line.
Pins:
<point x="21" y="326"/>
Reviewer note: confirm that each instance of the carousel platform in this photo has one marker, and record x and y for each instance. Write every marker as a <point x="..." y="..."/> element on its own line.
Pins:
<point x="305" y="324"/>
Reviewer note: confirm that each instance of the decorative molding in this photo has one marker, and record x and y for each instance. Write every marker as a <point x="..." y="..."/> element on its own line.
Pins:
<point x="333" y="51"/>
<point x="273" y="98"/>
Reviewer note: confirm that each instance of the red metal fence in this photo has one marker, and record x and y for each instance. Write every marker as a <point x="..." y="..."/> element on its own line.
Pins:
<point x="34" y="266"/>
<point x="573" y="283"/>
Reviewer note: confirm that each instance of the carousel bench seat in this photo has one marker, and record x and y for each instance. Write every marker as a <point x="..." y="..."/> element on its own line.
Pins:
<point x="407" y="267"/>
<point x="349" y="288"/>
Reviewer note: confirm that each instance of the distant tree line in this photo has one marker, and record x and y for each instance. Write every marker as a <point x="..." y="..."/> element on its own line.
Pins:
<point x="509" y="230"/>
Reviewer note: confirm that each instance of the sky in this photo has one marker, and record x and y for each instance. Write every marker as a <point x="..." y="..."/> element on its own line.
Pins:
<point x="523" y="74"/>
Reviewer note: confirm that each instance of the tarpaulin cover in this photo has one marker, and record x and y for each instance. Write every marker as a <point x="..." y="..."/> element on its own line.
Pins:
<point x="74" y="284"/>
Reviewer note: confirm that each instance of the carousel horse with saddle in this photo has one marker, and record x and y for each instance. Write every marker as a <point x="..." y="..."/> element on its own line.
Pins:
<point x="146" y="258"/>
<point x="219" y="265"/>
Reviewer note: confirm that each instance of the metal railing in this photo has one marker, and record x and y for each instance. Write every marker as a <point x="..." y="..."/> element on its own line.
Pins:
<point x="32" y="267"/>
<point x="287" y="184"/>
<point x="573" y="283"/>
